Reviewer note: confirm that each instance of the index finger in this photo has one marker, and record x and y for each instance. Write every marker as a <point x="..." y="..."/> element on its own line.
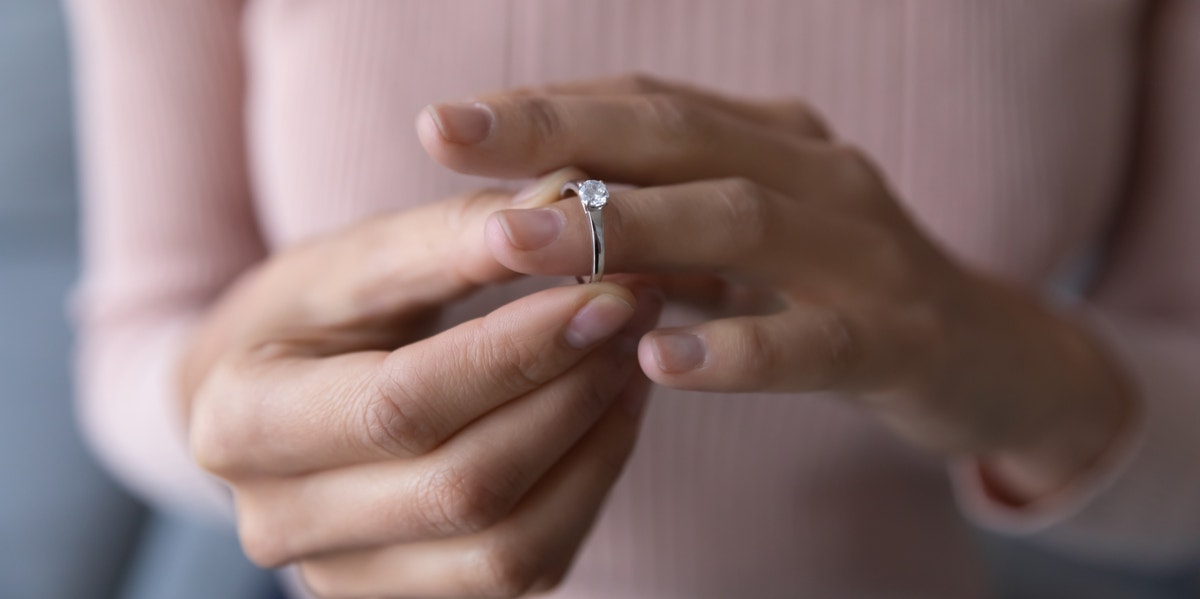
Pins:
<point x="282" y="413"/>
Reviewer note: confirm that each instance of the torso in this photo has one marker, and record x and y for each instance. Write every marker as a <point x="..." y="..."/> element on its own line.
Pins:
<point x="1003" y="126"/>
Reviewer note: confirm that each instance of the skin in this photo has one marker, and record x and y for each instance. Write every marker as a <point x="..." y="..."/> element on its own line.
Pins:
<point x="386" y="462"/>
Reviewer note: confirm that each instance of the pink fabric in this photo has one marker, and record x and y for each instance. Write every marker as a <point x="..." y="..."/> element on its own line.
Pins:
<point x="217" y="131"/>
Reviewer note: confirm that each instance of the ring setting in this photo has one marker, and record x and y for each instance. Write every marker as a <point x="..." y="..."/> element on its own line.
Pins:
<point x="593" y="196"/>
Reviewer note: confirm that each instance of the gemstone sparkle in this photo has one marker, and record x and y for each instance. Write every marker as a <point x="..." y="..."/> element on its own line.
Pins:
<point x="593" y="194"/>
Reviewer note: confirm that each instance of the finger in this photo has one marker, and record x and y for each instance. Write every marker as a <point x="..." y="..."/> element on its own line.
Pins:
<point x="699" y="291"/>
<point x="788" y="115"/>
<point x="273" y="412"/>
<point x="413" y="262"/>
<point x="710" y="293"/>
<point x="530" y="550"/>
<point x="465" y="486"/>
<point x="801" y="349"/>
<point x="548" y="188"/>
<point x="643" y="140"/>
<point x="379" y="283"/>
<point x="370" y="274"/>
<point x="732" y="226"/>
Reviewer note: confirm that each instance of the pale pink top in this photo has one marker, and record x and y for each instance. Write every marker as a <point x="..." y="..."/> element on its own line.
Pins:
<point x="215" y="131"/>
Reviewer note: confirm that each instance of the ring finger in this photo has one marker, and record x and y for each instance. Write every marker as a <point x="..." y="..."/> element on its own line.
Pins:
<point x="731" y="226"/>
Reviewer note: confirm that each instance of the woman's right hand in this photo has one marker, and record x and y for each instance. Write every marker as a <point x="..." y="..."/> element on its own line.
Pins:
<point x="471" y="462"/>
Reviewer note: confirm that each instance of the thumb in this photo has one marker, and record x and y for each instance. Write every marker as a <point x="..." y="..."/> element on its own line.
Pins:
<point x="406" y="263"/>
<point x="365" y="286"/>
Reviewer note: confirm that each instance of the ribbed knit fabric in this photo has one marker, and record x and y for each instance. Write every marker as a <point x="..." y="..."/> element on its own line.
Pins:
<point x="218" y="131"/>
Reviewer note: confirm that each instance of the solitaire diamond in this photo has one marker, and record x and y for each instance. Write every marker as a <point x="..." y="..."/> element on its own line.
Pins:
<point x="593" y="194"/>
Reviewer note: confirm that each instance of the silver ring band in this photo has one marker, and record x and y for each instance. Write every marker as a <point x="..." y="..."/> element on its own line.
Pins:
<point x="593" y="196"/>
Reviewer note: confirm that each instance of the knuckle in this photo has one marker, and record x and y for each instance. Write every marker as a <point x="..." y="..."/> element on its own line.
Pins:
<point x="219" y="437"/>
<point x="672" y="120"/>
<point x="897" y="274"/>
<point x="842" y="350"/>
<point x="743" y="191"/>
<point x="261" y="542"/>
<point x="590" y="396"/>
<point x="803" y="119"/>
<point x="519" y="367"/>
<point x="546" y="121"/>
<point x="745" y="207"/>
<point x="466" y="209"/>
<point x="887" y="258"/>
<point x="639" y="82"/>
<point x="503" y="570"/>
<point x="393" y="422"/>
<point x="761" y="356"/>
<point x="451" y="502"/>
<point x="853" y="172"/>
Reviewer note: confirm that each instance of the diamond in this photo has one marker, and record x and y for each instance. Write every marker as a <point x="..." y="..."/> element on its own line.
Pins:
<point x="593" y="194"/>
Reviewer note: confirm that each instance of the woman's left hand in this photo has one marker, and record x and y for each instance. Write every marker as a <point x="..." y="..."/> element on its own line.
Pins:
<point x="867" y="305"/>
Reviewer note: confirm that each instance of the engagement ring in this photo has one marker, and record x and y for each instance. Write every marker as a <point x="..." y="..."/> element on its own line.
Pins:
<point x="593" y="195"/>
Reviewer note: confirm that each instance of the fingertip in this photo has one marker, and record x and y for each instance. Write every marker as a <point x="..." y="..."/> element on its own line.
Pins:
<point x="505" y="246"/>
<point x="574" y="297"/>
<point x="497" y="239"/>
<point x="547" y="189"/>
<point x="535" y="241"/>
<point x="427" y="131"/>
<point x="649" y="363"/>
<point x="467" y="137"/>
<point x="673" y="357"/>
<point x="437" y="146"/>
<point x="625" y="293"/>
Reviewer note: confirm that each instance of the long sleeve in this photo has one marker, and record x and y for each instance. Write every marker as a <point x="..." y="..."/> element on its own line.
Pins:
<point x="1140" y="505"/>
<point x="168" y="223"/>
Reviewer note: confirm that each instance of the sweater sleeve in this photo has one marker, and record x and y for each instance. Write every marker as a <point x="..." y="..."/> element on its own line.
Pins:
<point x="168" y="223"/>
<point x="1140" y="504"/>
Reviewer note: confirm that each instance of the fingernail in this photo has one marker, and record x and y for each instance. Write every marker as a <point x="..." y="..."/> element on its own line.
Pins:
<point x="548" y="186"/>
<point x="598" y="320"/>
<point x="678" y="352"/>
<point x="532" y="229"/>
<point x="462" y="123"/>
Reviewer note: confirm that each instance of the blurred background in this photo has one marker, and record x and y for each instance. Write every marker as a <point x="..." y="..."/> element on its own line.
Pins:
<point x="68" y="531"/>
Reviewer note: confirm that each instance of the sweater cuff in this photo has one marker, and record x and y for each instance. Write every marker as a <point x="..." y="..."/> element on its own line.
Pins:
<point x="130" y="416"/>
<point x="978" y="501"/>
<point x="1137" y="503"/>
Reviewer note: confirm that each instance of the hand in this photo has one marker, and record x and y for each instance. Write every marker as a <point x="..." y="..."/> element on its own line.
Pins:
<point x="471" y="462"/>
<point x="760" y="193"/>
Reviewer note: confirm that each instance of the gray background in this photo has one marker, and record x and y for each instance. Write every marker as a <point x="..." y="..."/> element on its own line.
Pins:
<point x="66" y="531"/>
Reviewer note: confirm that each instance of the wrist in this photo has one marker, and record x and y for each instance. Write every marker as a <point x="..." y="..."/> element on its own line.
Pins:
<point x="1068" y="400"/>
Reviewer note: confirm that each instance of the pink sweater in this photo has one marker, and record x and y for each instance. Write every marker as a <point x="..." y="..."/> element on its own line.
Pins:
<point x="1025" y="135"/>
